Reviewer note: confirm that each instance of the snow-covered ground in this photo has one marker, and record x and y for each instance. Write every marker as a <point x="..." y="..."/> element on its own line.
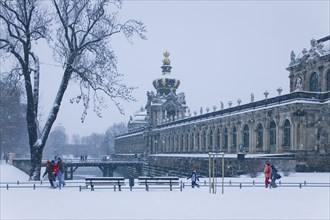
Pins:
<point x="235" y="203"/>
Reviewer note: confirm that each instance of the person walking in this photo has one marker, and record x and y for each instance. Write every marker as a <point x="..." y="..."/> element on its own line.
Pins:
<point x="267" y="171"/>
<point x="60" y="172"/>
<point x="54" y="170"/>
<point x="193" y="178"/>
<point x="49" y="171"/>
<point x="274" y="176"/>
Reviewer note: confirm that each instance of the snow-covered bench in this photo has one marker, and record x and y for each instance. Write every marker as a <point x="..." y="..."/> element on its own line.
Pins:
<point x="102" y="182"/>
<point x="159" y="181"/>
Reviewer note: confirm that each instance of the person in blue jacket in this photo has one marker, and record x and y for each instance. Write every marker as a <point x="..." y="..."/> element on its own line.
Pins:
<point x="193" y="178"/>
<point x="274" y="176"/>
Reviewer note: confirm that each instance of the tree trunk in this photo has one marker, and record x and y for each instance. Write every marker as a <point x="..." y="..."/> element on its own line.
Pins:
<point x="36" y="156"/>
<point x="37" y="146"/>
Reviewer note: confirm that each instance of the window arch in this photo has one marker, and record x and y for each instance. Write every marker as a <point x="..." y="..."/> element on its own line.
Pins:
<point x="234" y="136"/>
<point x="225" y="137"/>
<point x="328" y="80"/>
<point x="211" y="140"/>
<point x="246" y="137"/>
<point x="260" y="135"/>
<point x="287" y="133"/>
<point x="313" y="83"/>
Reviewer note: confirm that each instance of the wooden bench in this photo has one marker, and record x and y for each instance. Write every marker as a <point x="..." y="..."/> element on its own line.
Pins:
<point x="159" y="180"/>
<point x="105" y="181"/>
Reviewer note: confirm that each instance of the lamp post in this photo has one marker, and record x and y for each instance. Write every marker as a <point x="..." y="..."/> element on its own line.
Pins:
<point x="212" y="171"/>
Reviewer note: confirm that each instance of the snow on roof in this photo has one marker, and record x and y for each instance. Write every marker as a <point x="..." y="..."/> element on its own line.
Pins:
<point x="164" y="126"/>
<point x="225" y="155"/>
<point x="139" y="117"/>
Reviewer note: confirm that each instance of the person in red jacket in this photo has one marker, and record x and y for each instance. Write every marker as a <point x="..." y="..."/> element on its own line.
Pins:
<point x="54" y="168"/>
<point x="267" y="171"/>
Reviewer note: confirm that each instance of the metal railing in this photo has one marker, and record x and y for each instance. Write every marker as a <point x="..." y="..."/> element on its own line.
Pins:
<point x="228" y="184"/>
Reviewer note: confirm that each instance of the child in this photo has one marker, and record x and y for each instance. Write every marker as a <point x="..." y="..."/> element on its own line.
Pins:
<point x="267" y="171"/>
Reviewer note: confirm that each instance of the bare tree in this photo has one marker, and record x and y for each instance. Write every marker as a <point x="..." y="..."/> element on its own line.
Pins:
<point x="93" y="142"/>
<point x="57" y="142"/>
<point x="82" y="45"/>
<point x="111" y="133"/>
<point x="13" y="134"/>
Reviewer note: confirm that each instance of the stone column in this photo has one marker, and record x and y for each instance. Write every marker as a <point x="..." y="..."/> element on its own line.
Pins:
<point x="253" y="138"/>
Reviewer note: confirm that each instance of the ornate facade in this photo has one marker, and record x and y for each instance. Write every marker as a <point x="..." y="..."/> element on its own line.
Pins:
<point x="295" y="122"/>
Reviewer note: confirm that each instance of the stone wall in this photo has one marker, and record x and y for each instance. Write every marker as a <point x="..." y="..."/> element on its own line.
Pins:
<point x="233" y="165"/>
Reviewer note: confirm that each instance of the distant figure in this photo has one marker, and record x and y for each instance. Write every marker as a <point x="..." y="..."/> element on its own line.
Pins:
<point x="48" y="171"/>
<point x="274" y="176"/>
<point x="267" y="171"/>
<point x="193" y="178"/>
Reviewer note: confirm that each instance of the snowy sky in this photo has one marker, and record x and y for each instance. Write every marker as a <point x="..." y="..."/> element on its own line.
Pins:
<point x="220" y="51"/>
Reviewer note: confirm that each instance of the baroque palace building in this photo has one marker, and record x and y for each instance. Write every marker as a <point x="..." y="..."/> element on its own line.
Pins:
<point x="297" y="122"/>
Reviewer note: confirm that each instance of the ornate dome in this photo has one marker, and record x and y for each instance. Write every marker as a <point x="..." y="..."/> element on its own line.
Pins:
<point x="166" y="83"/>
<point x="138" y="120"/>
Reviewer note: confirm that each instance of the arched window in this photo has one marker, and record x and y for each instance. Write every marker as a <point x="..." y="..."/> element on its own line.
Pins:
<point x="260" y="135"/>
<point x="225" y="139"/>
<point x="218" y="140"/>
<point x="314" y="84"/>
<point x="328" y="81"/>
<point x="204" y="140"/>
<point x="211" y="140"/>
<point x="234" y="136"/>
<point x="287" y="133"/>
<point x="246" y="137"/>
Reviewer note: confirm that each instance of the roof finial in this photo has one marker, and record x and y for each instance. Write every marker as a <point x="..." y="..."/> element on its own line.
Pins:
<point x="166" y="63"/>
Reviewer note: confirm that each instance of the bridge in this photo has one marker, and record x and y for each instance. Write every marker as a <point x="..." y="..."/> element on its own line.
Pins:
<point x="106" y="166"/>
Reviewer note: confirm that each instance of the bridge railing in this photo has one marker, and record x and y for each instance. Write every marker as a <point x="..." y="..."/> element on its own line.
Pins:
<point x="95" y="160"/>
